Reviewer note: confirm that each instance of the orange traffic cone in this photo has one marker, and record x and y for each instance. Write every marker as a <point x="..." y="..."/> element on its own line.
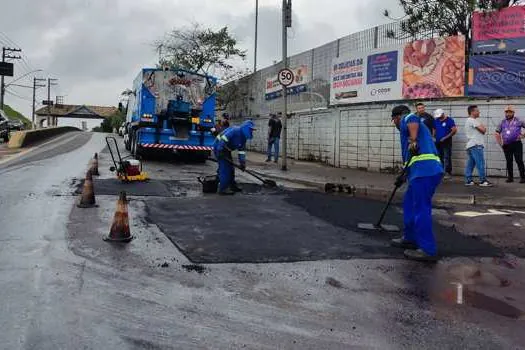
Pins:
<point x="119" y="231"/>
<point x="87" y="198"/>
<point x="94" y="165"/>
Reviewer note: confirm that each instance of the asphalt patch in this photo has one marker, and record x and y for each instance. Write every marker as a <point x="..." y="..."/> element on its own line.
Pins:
<point x="257" y="229"/>
<point x="296" y="226"/>
<point x="114" y="187"/>
<point x="161" y="188"/>
<point x="348" y="212"/>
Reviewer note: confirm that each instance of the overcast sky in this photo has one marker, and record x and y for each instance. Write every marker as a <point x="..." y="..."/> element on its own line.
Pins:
<point x="96" y="47"/>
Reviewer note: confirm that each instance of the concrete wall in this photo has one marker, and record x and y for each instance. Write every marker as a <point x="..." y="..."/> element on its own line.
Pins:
<point x="363" y="137"/>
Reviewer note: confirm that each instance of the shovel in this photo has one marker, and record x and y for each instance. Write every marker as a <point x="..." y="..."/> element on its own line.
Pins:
<point x="379" y="226"/>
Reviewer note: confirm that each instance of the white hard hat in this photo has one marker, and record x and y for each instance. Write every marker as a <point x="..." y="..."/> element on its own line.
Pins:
<point x="438" y="113"/>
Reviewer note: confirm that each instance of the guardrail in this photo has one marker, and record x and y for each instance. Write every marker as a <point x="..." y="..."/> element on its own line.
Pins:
<point x="29" y="137"/>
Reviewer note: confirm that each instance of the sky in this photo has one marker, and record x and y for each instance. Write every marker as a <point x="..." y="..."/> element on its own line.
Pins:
<point x="95" y="48"/>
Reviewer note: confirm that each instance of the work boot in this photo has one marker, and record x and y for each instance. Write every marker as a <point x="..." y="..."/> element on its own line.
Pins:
<point x="509" y="180"/>
<point x="235" y="188"/>
<point x="402" y="243"/>
<point x="268" y="160"/>
<point x="419" y="255"/>
<point x="226" y="192"/>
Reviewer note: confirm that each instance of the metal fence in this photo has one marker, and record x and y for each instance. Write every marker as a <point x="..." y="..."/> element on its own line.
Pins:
<point x="319" y="60"/>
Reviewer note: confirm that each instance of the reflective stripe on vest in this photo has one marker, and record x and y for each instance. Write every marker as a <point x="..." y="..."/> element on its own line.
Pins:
<point x="222" y="137"/>
<point x="427" y="156"/>
<point x="242" y="152"/>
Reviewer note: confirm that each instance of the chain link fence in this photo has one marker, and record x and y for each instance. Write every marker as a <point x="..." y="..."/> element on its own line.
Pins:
<point x="251" y="100"/>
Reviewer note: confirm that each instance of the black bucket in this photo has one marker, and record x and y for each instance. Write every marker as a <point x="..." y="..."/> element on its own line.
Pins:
<point x="209" y="183"/>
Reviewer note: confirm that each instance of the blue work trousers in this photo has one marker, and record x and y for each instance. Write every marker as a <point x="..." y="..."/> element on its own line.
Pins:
<point x="273" y="142"/>
<point x="225" y="171"/>
<point x="417" y="210"/>
<point x="475" y="159"/>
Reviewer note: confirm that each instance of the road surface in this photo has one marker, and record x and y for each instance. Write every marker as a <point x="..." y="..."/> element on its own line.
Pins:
<point x="269" y="269"/>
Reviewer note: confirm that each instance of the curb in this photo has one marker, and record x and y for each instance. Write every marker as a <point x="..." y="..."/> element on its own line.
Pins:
<point x="378" y="193"/>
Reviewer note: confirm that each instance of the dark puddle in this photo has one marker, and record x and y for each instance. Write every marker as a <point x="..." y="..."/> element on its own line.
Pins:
<point x="491" y="304"/>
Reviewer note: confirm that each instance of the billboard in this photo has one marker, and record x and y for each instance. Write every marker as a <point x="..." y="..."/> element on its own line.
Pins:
<point x="502" y="30"/>
<point x="496" y="76"/>
<point x="6" y="69"/>
<point x="367" y="76"/>
<point x="275" y="90"/>
<point x="434" y="68"/>
<point x="421" y="69"/>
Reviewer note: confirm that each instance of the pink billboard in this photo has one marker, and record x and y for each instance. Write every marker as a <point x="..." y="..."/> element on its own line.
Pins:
<point x="502" y="30"/>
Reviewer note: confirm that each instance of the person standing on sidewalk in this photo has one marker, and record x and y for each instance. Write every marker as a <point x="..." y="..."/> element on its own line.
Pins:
<point x="274" y="136"/>
<point x="424" y="173"/>
<point x="508" y="135"/>
<point x="445" y="129"/>
<point x="475" y="131"/>
<point x="427" y="118"/>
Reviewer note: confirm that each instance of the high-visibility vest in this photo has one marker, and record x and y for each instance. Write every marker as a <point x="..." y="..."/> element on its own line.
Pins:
<point x="421" y="157"/>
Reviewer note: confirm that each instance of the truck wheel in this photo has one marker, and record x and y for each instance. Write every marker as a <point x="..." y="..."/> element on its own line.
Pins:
<point x="133" y="144"/>
<point x="127" y="144"/>
<point x="136" y="149"/>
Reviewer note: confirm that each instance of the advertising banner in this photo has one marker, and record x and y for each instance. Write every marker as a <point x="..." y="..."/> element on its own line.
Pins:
<point x="275" y="90"/>
<point x="434" y="68"/>
<point x="497" y="76"/>
<point x="502" y="30"/>
<point x="366" y="77"/>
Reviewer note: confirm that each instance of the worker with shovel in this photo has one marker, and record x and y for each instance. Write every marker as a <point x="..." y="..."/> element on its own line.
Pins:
<point x="231" y="139"/>
<point x="424" y="173"/>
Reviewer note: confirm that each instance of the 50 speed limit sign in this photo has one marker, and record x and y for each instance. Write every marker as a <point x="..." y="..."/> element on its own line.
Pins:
<point x="286" y="77"/>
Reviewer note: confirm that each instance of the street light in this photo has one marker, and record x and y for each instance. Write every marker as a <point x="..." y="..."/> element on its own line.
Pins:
<point x="21" y="77"/>
<point x="256" y="32"/>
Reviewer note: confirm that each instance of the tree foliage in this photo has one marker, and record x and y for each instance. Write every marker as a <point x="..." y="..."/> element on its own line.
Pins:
<point x="231" y="88"/>
<point x="199" y="49"/>
<point x="441" y="17"/>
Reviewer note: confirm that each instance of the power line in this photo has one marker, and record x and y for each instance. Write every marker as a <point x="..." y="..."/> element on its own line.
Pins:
<point x="18" y="96"/>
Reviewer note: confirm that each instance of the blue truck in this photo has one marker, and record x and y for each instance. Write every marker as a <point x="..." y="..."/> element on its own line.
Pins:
<point x="171" y="110"/>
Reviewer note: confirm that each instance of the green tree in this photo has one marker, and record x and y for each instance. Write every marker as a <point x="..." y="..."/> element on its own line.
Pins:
<point x="441" y="17"/>
<point x="199" y="49"/>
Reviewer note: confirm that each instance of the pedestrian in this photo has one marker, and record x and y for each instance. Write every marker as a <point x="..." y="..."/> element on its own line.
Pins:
<point x="423" y="173"/>
<point x="508" y="135"/>
<point x="427" y="118"/>
<point x="445" y="129"/>
<point x="475" y="131"/>
<point x="274" y="136"/>
<point x="231" y="139"/>
<point x="225" y="124"/>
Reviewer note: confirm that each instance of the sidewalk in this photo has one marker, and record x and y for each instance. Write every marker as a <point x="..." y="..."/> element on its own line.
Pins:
<point x="379" y="186"/>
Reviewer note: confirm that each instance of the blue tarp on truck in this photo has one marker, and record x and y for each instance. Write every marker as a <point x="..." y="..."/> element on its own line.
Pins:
<point x="172" y="110"/>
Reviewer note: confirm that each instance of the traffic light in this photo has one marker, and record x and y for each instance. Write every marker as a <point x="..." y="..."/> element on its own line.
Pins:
<point x="288" y="14"/>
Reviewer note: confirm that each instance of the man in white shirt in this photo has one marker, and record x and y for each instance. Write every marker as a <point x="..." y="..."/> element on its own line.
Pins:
<point x="475" y="132"/>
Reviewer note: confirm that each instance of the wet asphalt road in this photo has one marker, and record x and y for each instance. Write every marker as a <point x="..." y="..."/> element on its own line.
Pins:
<point x="65" y="288"/>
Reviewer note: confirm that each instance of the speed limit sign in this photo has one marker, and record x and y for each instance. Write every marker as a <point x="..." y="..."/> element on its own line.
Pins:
<point x="286" y="77"/>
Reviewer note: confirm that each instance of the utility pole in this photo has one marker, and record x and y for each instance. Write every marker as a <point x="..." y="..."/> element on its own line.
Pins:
<point x="287" y="23"/>
<point x="5" y="56"/>
<point x="35" y="86"/>
<point x="256" y="36"/>
<point x="50" y="82"/>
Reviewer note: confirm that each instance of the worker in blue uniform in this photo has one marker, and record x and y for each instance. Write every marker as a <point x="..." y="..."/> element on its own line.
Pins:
<point x="231" y="139"/>
<point x="424" y="173"/>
